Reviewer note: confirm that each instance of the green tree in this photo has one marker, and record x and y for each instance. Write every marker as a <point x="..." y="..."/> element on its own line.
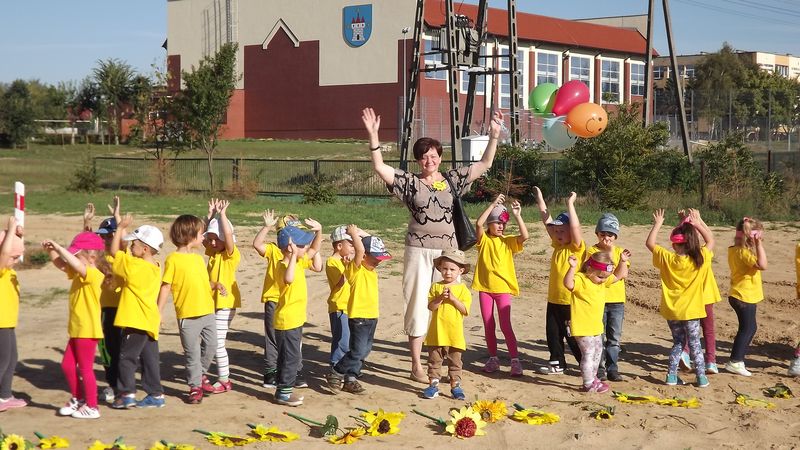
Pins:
<point x="17" y="123"/>
<point x="203" y="104"/>
<point x="86" y="98"/>
<point x="114" y="80"/>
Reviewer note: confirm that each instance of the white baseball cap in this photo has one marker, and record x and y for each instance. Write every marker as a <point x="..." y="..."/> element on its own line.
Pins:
<point x="148" y="234"/>
<point x="213" y="227"/>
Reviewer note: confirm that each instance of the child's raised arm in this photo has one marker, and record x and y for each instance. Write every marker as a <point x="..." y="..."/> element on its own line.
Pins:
<point x="621" y="272"/>
<point x="260" y="241"/>
<point x="288" y="277"/>
<point x="122" y="225"/>
<point x="88" y="215"/>
<point x="212" y="210"/>
<point x="761" y="254"/>
<point x="224" y="225"/>
<point x="516" y="209"/>
<point x="574" y="222"/>
<point x="358" y="246"/>
<point x="569" y="278"/>
<point x="544" y="213"/>
<point x="481" y="221"/>
<point x="6" y="246"/>
<point x="702" y="228"/>
<point x="61" y="258"/>
<point x="658" y="220"/>
<point x="316" y="244"/>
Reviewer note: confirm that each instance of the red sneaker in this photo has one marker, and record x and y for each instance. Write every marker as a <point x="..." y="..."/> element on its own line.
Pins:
<point x="206" y="385"/>
<point x="195" y="395"/>
<point x="220" y="387"/>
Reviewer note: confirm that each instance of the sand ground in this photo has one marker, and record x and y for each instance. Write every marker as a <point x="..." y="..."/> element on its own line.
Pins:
<point x="718" y="423"/>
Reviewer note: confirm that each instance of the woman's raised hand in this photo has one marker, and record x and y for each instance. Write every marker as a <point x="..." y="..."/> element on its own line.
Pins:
<point x="496" y="125"/>
<point x="372" y="122"/>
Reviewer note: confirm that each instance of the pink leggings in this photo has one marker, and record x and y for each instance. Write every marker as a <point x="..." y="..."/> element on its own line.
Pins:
<point x="79" y="359"/>
<point x="504" y="314"/>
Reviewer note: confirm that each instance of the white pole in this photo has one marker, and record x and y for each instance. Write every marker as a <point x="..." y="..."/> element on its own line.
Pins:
<point x="19" y="204"/>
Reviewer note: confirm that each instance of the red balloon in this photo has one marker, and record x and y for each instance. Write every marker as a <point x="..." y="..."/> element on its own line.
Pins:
<point x="571" y="94"/>
<point x="587" y="120"/>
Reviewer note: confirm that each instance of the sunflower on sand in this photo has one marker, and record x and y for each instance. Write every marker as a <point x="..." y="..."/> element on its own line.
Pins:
<point x="490" y="411"/>
<point x="12" y="442"/>
<point x="349" y="437"/>
<point x="271" y="434"/>
<point x="381" y="422"/>
<point x="465" y="423"/>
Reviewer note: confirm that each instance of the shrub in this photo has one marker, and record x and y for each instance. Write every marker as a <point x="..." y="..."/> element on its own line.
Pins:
<point x="622" y="189"/>
<point x="515" y="172"/>
<point x="319" y="191"/>
<point x="85" y="178"/>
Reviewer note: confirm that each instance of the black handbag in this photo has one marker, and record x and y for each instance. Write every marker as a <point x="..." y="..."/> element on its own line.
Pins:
<point x="465" y="229"/>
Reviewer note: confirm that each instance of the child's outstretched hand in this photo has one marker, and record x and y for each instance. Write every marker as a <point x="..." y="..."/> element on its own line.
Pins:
<point x="313" y="225"/>
<point x="573" y="261"/>
<point x="88" y="212"/>
<point x="269" y="218"/>
<point x="113" y="208"/>
<point x="48" y="245"/>
<point x="572" y="197"/>
<point x="125" y="221"/>
<point x="212" y="207"/>
<point x="625" y="255"/>
<point x="500" y="199"/>
<point x="222" y="207"/>
<point x="292" y="248"/>
<point x="658" y="216"/>
<point x="516" y="208"/>
<point x="694" y="215"/>
<point x="353" y="230"/>
<point x="538" y="193"/>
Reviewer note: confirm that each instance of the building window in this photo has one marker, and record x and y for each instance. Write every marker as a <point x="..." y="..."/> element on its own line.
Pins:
<point x="686" y="71"/>
<point x="609" y="78"/>
<point x="782" y="70"/>
<point x="480" y="81"/>
<point x="580" y="68"/>
<point x="505" y="80"/>
<point x="546" y="68"/>
<point x="660" y="72"/>
<point x="637" y="79"/>
<point x="433" y="59"/>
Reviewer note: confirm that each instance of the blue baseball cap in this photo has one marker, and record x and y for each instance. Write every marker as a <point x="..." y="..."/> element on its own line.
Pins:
<point x="296" y="235"/>
<point x="608" y="223"/>
<point x="374" y="246"/>
<point x="107" y="226"/>
<point x="561" y="219"/>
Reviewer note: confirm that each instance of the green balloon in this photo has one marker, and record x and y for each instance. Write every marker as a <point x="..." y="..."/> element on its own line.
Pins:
<point x="540" y="96"/>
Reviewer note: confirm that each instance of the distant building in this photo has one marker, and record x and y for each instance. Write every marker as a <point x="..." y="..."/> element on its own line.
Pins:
<point x="303" y="76"/>
<point x="787" y="66"/>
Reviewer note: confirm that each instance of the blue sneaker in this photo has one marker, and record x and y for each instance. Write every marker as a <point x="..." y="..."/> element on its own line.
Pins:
<point x="702" y="381"/>
<point x="151" y="402"/>
<point x="458" y="393"/>
<point x="431" y="391"/>
<point x="685" y="362"/>
<point x="124" y="402"/>
<point x="674" y="380"/>
<point x="712" y="368"/>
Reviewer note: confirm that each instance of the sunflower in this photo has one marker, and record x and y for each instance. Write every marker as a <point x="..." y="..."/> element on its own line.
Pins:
<point x="54" y="442"/>
<point x="164" y="445"/>
<point x="439" y="185"/>
<point x="227" y="440"/>
<point x="534" y="417"/>
<point x="13" y="442"/>
<point x="348" y="438"/>
<point x="465" y="423"/>
<point x="490" y="411"/>
<point x="116" y="445"/>
<point x="380" y="422"/>
<point x="273" y="434"/>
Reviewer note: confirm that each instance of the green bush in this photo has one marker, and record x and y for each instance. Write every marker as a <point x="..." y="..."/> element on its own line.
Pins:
<point x="515" y="171"/>
<point x="85" y="178"/>
<point x="622" y="189"/>
<point x="319" y="192"/>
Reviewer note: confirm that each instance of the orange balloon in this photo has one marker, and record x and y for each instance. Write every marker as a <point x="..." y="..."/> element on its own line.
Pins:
<point x="587" y="120"/>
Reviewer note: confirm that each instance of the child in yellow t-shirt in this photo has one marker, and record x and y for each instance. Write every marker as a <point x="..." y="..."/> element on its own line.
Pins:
<point x="340" y="292"/>
<point x="496" y="278"/>
<point x="794" y="367"/>
<point x="223" y="260"/>
<point x="11" y="249"/>
<point x="746" y="259"/>
<point x="566" y="239"/>
<point x="589" y="288"/>
<point x="138" y="315"/>
<point x="300" y="252"/>
<point x="362" y="309"/>
<point x="607" y="231"/>
<point x="271" y="288"/>
<point x="683" y="276"/>
<point x="85" y="327"/>
<point x="449" y="300"/>
<point x="185" y="275"/>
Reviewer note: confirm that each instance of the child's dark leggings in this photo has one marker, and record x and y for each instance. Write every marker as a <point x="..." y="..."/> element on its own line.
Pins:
<point x="8" y="360"/>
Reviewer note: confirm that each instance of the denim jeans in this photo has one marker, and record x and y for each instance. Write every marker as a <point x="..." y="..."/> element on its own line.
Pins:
<point x="362" y="332"/>
<point x="613" y="314"/>
<point x="340" y="335"/>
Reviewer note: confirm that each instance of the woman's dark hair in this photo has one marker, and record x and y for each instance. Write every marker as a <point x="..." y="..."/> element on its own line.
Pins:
<point x="691" y="243"/>
<point x="185" y="229"/>
<point x="423" y="145"/>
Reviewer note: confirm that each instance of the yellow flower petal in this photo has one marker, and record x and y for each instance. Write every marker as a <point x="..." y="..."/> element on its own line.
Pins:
<point x="273" y="434"/>
<point x="350" y="437"/>
<point x="54" y="442"/>
<point x="490" y="411"/>
<point x="534" y="417"/>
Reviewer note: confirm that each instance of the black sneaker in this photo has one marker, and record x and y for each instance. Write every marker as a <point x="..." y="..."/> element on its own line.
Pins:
<point x="270" y="380"/>
<point x="614" y="376"/>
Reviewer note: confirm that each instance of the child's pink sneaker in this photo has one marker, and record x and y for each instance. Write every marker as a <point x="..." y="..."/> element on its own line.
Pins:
<point x="597" y="387"/>
<point x="11" y="402"/>
<point x="491" y="365"/>
<point x="516" y="367"/>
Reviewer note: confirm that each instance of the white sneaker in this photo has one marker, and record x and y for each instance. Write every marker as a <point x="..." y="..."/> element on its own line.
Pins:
<point x="794" y="368"/>
<point x="86" y="412"/>
<point x="72" y="405"/>
<point x="738" y="368"/>
<point x="107" y="394"/>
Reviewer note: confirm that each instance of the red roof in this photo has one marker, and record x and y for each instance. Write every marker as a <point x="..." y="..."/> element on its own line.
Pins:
<point x="533" y="27"/>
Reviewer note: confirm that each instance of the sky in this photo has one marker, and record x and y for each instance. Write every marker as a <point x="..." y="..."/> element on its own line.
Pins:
<point x="55" y="41"/>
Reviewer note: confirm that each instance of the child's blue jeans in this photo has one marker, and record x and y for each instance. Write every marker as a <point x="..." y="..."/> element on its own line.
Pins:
<point x="340" y="335"/>
<point x="362" y="332"/>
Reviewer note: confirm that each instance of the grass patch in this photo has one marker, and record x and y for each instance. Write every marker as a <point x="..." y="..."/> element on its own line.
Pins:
<point x="45" y="298"/>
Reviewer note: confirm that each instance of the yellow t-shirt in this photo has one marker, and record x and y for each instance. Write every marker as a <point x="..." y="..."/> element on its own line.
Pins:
<point x="446" y="328"/>
<point x="138" y="302"/>
<point x="559" y="266"/>
<point x="797" y="268"/>
<point x="363" y="301"/>
<point x="111" y="288"/>
<point x="271" y="290"/>
<point x="494" y="271"/>
<point x="745" y="278"/>
<point x="188" y="279"/>
<point x="338" y="298"/>
<point x="84" y="304"/>
<point x="222" y="269"/>
<point x="711" y="292"/>
<point x="588" y="304"/>
<point x="682" y="284"/>
<point x="290" y="312"/>
<point x="9" y="298"/>
<point x="615" y="292"/>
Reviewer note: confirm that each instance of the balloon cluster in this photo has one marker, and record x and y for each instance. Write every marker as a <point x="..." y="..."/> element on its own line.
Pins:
<point x="569" y="113"/>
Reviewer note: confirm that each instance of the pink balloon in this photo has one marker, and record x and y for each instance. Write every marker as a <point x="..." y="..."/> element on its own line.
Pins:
<point x="571" y="94"/>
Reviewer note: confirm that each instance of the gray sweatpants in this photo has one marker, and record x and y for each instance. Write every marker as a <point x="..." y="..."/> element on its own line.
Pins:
<point x="199" y="340"/>
<point x="8" y="360"/>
